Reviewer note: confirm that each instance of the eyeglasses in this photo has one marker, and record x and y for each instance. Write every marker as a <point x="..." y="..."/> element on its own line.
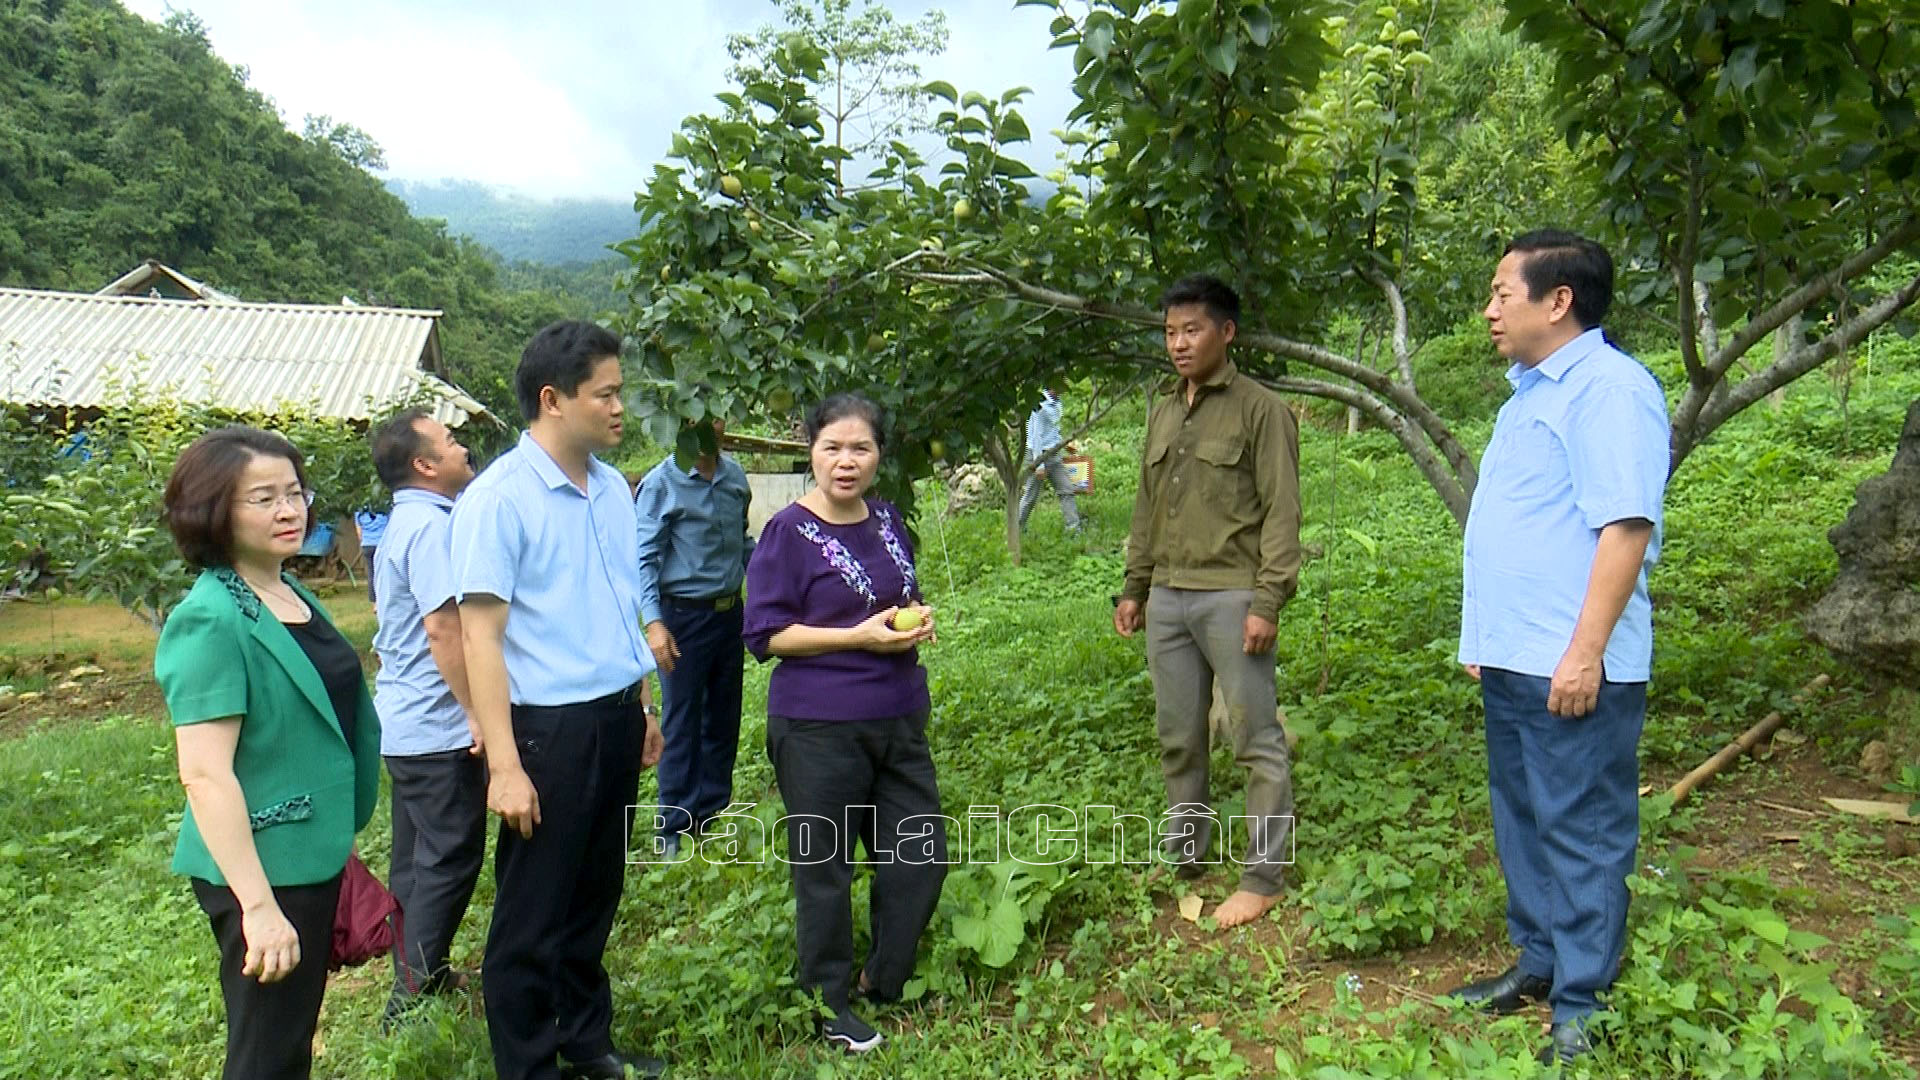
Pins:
<point x="267" y="500"/>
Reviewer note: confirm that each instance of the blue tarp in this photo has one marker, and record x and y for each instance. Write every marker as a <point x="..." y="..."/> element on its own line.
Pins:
<point x="320" y="542"/>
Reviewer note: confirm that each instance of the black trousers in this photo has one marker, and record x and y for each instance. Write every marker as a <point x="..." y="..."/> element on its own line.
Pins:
<point x="555" y="894"/>
<point x="700" y="715"/>
<point x="439" y="844"/>
<point x="270" y="1026"/>
<point x="874" y="780"/>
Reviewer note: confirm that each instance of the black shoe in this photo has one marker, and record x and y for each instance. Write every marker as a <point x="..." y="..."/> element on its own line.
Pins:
<point x="617" y="1065"/>
<point x="850" y="1033"/>
<point x="1568" y="1041"/>
<point x="1508" y="992"/>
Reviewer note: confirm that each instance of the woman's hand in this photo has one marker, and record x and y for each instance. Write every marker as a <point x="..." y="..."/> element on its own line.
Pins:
<point x="877" y="634"/>
<point x="273" y="945"/>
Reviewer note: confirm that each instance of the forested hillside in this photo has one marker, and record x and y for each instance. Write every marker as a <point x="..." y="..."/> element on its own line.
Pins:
<point x="554" y="232"/>
<point x="122" y="140"/>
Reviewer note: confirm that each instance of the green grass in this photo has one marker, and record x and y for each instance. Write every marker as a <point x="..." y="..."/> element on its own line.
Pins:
<point x="110" y="969"/>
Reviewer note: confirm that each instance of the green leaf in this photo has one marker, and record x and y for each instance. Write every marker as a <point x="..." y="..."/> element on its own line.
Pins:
<point x="1742" y="66"/>
<point x="1259" y="23"/>
<point x="1768" y="927"/>
<point x="1224" y="55"/>
<point x="1099" y="39"/>
<point x="942" y="89"/>
<point x="1006" y="928"/>
<point x="1010" y="168"/>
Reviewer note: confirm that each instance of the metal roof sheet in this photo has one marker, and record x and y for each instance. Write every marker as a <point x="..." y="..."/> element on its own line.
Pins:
<point x="342" y="361"/>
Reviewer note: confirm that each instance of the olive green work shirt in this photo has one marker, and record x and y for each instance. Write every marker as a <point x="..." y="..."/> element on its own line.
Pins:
<point x="1219" y="499"/>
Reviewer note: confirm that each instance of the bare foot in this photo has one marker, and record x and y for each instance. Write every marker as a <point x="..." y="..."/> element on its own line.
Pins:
<point x="1243" y="907"/>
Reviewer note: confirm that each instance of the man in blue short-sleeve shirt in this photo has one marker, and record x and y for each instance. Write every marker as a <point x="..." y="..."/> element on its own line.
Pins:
<point x="426" y="736"/>
<point x="693" y="549"/>
<point x="548" y="582"/>
<point x="1556" y="625"/>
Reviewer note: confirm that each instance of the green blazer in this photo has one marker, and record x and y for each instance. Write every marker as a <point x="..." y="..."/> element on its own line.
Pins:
<point x="223" y="654"/>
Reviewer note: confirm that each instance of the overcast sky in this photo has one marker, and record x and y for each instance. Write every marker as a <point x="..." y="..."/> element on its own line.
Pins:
<point x="567" y="97"/>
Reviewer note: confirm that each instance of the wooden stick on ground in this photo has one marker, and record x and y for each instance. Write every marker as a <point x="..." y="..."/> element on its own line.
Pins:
<point x="1731" y="752"/>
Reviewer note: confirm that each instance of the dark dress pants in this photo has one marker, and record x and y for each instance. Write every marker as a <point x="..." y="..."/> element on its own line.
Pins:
<point x="439" y="844"/>
<point x="1566" y="822"/>
<point x="871" y="779"/>
<point x="270" y="1026"/>
<point x="555" y="893"/>
<point x="700" y="715"/>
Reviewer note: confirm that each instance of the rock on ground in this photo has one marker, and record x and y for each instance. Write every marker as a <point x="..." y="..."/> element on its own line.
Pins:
<point x="1871" y="615"/>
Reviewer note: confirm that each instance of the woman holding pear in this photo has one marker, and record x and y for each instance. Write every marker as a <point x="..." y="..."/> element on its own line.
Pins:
<point x="831" y="591"/>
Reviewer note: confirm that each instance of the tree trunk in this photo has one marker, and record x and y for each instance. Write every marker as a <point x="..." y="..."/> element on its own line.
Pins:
<point x="1784" y="339"/>
<point x="1008" y="469"/>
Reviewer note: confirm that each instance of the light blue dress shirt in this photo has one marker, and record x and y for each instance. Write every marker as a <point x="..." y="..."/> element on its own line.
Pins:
<point x="413" y="577"/>
<point x="564" y="561"/>
<point x="691" y="532"/>
<point x="1582" y="443"/>
<point x="1043" y="429"/>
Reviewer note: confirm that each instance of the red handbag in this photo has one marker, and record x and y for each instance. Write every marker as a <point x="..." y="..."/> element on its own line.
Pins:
<point x="366" y="923"/>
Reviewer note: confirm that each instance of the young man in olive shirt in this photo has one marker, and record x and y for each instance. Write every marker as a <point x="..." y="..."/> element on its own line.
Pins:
<point x="1212" y="557"/>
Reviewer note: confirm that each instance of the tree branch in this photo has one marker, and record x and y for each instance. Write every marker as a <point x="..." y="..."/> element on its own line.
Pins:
<point x="1690" y="424"/>
<point x="1455" y="495"/>
<point x="1812" y="291"/>
<point x="1405" y="399"/>
<point x="1397" y="304"/>
<point x="1795" y="364"/>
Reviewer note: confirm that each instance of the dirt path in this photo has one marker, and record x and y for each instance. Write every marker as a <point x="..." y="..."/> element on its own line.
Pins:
<point x="42" y="643"/>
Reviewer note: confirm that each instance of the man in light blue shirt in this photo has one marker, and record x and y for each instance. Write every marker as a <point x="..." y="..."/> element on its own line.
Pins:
<point x="372" y="525"/>
<point x="1556" y="625"/>
<point x="693" y="547"/>
<point x="1044" y="443"/>
<point x="549" y="587"/>
<point x="426" y="736"/>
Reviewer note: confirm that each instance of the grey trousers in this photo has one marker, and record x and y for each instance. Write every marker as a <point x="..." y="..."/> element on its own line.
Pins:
<point x="1193" y="640"/>
<point x="1057" y="476"/>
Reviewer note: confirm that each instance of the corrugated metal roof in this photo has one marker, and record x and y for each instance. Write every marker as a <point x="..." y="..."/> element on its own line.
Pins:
<point x="346" y="362"/>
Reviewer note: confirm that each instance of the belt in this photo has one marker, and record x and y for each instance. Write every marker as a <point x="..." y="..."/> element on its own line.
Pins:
<point x="723" y="602"/>
<point x="619" y="697"/>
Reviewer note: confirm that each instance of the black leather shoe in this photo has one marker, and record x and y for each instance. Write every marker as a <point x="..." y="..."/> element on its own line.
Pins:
<point x="1508" y="992"/>
<point x="616" y="1066"/>
<point x="1568" y="1041"/>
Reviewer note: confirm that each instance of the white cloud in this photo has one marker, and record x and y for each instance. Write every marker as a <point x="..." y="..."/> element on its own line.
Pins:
<point x="571" y="97"/>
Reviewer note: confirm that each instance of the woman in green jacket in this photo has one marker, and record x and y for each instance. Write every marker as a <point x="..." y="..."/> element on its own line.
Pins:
<point x="278" y="741"/>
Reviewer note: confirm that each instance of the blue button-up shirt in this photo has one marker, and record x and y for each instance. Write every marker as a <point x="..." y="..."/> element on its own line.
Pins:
<point x="564" y="561"/>
<point x="1043" y="429"/>
<point x="373" y="527"/>
<point x="1582" y="443"/>
<point x="691" y="532"/>
<point x="413" y="578"/>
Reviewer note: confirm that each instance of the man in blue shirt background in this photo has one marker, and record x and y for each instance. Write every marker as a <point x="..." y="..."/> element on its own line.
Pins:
<point x="1556" y="624"/>
<point x="1044" y="443"/>
<point x="693" y="546"/>
<point x="549" y="588"/>
<point x="426" y="734"/>
<point x="373" y="527"/>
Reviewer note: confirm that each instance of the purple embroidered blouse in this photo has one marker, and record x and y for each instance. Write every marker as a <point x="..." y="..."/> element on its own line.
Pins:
<point x="806" y="571"/>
